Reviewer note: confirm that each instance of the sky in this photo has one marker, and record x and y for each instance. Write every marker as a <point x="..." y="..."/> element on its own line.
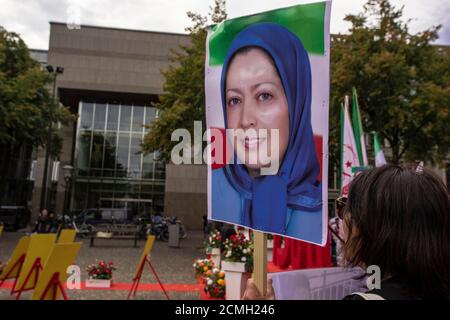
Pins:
<point x="30" y="18"/>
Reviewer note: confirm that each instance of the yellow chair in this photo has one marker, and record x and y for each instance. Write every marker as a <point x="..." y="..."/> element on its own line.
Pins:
<point x="14" y="265"/>
<point x="67" y="236"/>
<point x="52" y="280"/>
<point x="145" y="259"/>
<point x="39" y="249"/>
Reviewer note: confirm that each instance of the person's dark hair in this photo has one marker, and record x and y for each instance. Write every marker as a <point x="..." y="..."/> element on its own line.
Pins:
<point x="399" y="220"/>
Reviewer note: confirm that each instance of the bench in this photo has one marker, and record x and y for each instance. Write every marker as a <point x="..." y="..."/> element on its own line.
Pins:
<point x="115" y="231"/>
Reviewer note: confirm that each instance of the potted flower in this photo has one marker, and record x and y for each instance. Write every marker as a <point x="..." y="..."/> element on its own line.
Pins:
<point x="213" y="246"/>
<point x="201" y="267"/>
<point x="100" y="274"/>
<point x="215" y="284"/>
<point x="246" y="232"/>
<point x="237" y="264"/>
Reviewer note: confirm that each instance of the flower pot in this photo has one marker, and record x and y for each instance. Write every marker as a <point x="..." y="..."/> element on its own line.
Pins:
<point x="233" y="266"/>
<point x="269" y="250"/>
<point x="215" y="257"/>
<point x="98" y="283"/>
<point x="236" y="279"/>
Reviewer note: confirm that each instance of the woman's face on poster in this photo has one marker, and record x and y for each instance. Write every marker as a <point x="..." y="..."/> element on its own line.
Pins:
<point x="255" y="99"/>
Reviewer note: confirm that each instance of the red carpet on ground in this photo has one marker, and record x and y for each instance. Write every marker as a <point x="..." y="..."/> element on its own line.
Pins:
<point x="172" y="287"/>
<point x="180" y="287"/>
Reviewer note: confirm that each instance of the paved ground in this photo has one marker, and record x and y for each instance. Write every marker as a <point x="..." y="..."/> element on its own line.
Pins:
<point x="173" y="265"/>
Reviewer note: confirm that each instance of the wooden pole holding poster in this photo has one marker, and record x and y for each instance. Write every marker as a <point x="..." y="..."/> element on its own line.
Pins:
<point x="260" y="261"/>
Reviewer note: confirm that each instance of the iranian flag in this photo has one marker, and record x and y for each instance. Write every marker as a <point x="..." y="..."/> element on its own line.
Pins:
<point x="379" y="154"/>
<point x="349" y="153"/>
<point x="358" y="129"/>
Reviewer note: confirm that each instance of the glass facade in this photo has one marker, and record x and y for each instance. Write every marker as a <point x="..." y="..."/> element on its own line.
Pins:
<point x="110" y="169"/>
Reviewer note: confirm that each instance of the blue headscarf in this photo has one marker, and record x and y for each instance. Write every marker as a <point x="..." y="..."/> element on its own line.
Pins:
<point x="266" y="198"/>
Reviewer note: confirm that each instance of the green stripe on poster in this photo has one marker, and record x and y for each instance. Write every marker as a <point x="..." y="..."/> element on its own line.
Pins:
<point x="306" y="21"/>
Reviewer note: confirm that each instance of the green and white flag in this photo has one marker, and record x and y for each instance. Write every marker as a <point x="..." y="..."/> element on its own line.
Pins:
<point x="358" y="129"/>
<point x="379" y="154"/>
<point x="349" y="154"/>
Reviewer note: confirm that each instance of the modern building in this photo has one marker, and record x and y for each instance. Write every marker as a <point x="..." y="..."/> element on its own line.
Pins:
<point x="111" y="77"/>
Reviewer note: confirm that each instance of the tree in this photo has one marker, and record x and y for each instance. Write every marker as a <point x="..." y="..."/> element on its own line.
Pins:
<point x="403" y="83"/>
<point x="183" y="98"/>
<point x="25" y="104"/>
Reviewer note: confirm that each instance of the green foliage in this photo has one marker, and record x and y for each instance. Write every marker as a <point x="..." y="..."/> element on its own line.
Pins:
<point x="183" y="100"/>
<point x="402" y="82"/>
<point x="25" y="101"/>
<point x="26" y="109"/>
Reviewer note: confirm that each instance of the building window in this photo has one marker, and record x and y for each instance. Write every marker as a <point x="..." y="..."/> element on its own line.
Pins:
<point x="125" y="118"/>
<point x="113" y="117"/>
<point x="138" y="119"/>
<point x="110" y="167"/>
<point x="87" y="115"/>
<point x="100" y="117"/>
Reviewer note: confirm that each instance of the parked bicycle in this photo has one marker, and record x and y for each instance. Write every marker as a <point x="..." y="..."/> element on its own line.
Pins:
<point x="159" y="227"/>
<point x="82" y="228"/>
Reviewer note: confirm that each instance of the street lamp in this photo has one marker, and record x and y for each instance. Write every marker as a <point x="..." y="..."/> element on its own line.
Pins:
<point x="68" y="171"/>
<point x="44" y="196"/>
<point x="59" y="70"/>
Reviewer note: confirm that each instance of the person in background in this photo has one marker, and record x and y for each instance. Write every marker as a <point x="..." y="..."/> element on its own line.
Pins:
<point x="42" y="222"/>
<point x="397" y="218"/>
<point x="53" y="223"/>
<point x="336" y="229"/>
<point x="47" y="222"/>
